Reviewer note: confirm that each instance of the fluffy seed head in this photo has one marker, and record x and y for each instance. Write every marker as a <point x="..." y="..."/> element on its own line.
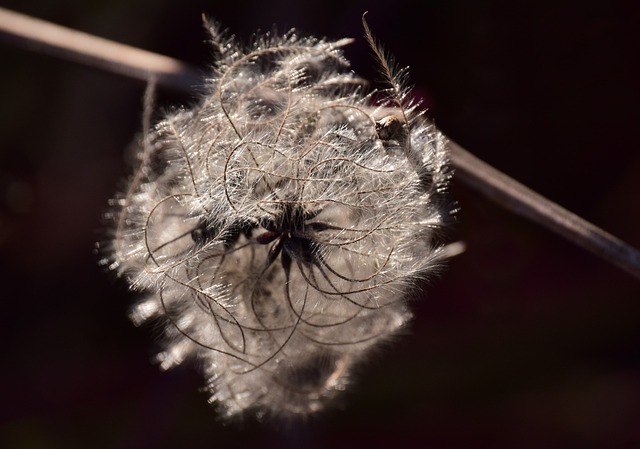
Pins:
<point x="279" y="227"/>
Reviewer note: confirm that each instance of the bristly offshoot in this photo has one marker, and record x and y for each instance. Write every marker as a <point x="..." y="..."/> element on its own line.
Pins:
<point x="280" y="226"/>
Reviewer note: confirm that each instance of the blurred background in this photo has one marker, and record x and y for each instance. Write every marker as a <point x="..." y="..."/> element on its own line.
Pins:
<point x="526" y="341"/>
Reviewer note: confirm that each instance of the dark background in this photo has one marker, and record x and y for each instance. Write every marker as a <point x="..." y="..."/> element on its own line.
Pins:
<point x="525" y="342"/>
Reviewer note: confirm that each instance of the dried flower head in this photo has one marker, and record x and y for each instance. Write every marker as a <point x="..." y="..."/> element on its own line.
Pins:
<point x="280" y="226"/>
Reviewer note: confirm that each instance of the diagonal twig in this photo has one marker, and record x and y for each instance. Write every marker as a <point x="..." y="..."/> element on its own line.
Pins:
<point x="125" y="60"/>
<point x="523" y="201"/>
<point x="76" y="46"/>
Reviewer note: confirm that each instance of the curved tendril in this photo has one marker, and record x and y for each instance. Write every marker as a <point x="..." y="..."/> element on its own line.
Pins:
<point x="293" y="330"/>
<point x="306" y="320"/>
<point x="186" y="156"/>
<point x="148" y="220"/>
<point x="192" y="339"/>
<point x="344" y="294"/>
<point x="233" y="320"/>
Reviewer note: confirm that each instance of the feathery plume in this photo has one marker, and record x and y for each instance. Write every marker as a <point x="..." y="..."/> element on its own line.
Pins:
<point x="279" y="228"/>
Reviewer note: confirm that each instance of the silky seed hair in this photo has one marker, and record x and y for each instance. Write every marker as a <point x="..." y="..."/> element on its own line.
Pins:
<point x="278" y="229"/>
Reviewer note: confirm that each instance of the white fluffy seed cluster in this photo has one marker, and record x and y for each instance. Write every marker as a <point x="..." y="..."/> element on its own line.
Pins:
<point x="278" y="228"/>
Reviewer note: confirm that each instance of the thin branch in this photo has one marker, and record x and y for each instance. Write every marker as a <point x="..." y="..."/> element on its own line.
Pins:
<point x="93" y="51"/>
<point x="523" y="201"/>
<point x="103" y="54"/>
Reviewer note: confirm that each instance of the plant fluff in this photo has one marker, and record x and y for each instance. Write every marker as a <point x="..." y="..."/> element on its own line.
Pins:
<point x="278" y="228"/>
